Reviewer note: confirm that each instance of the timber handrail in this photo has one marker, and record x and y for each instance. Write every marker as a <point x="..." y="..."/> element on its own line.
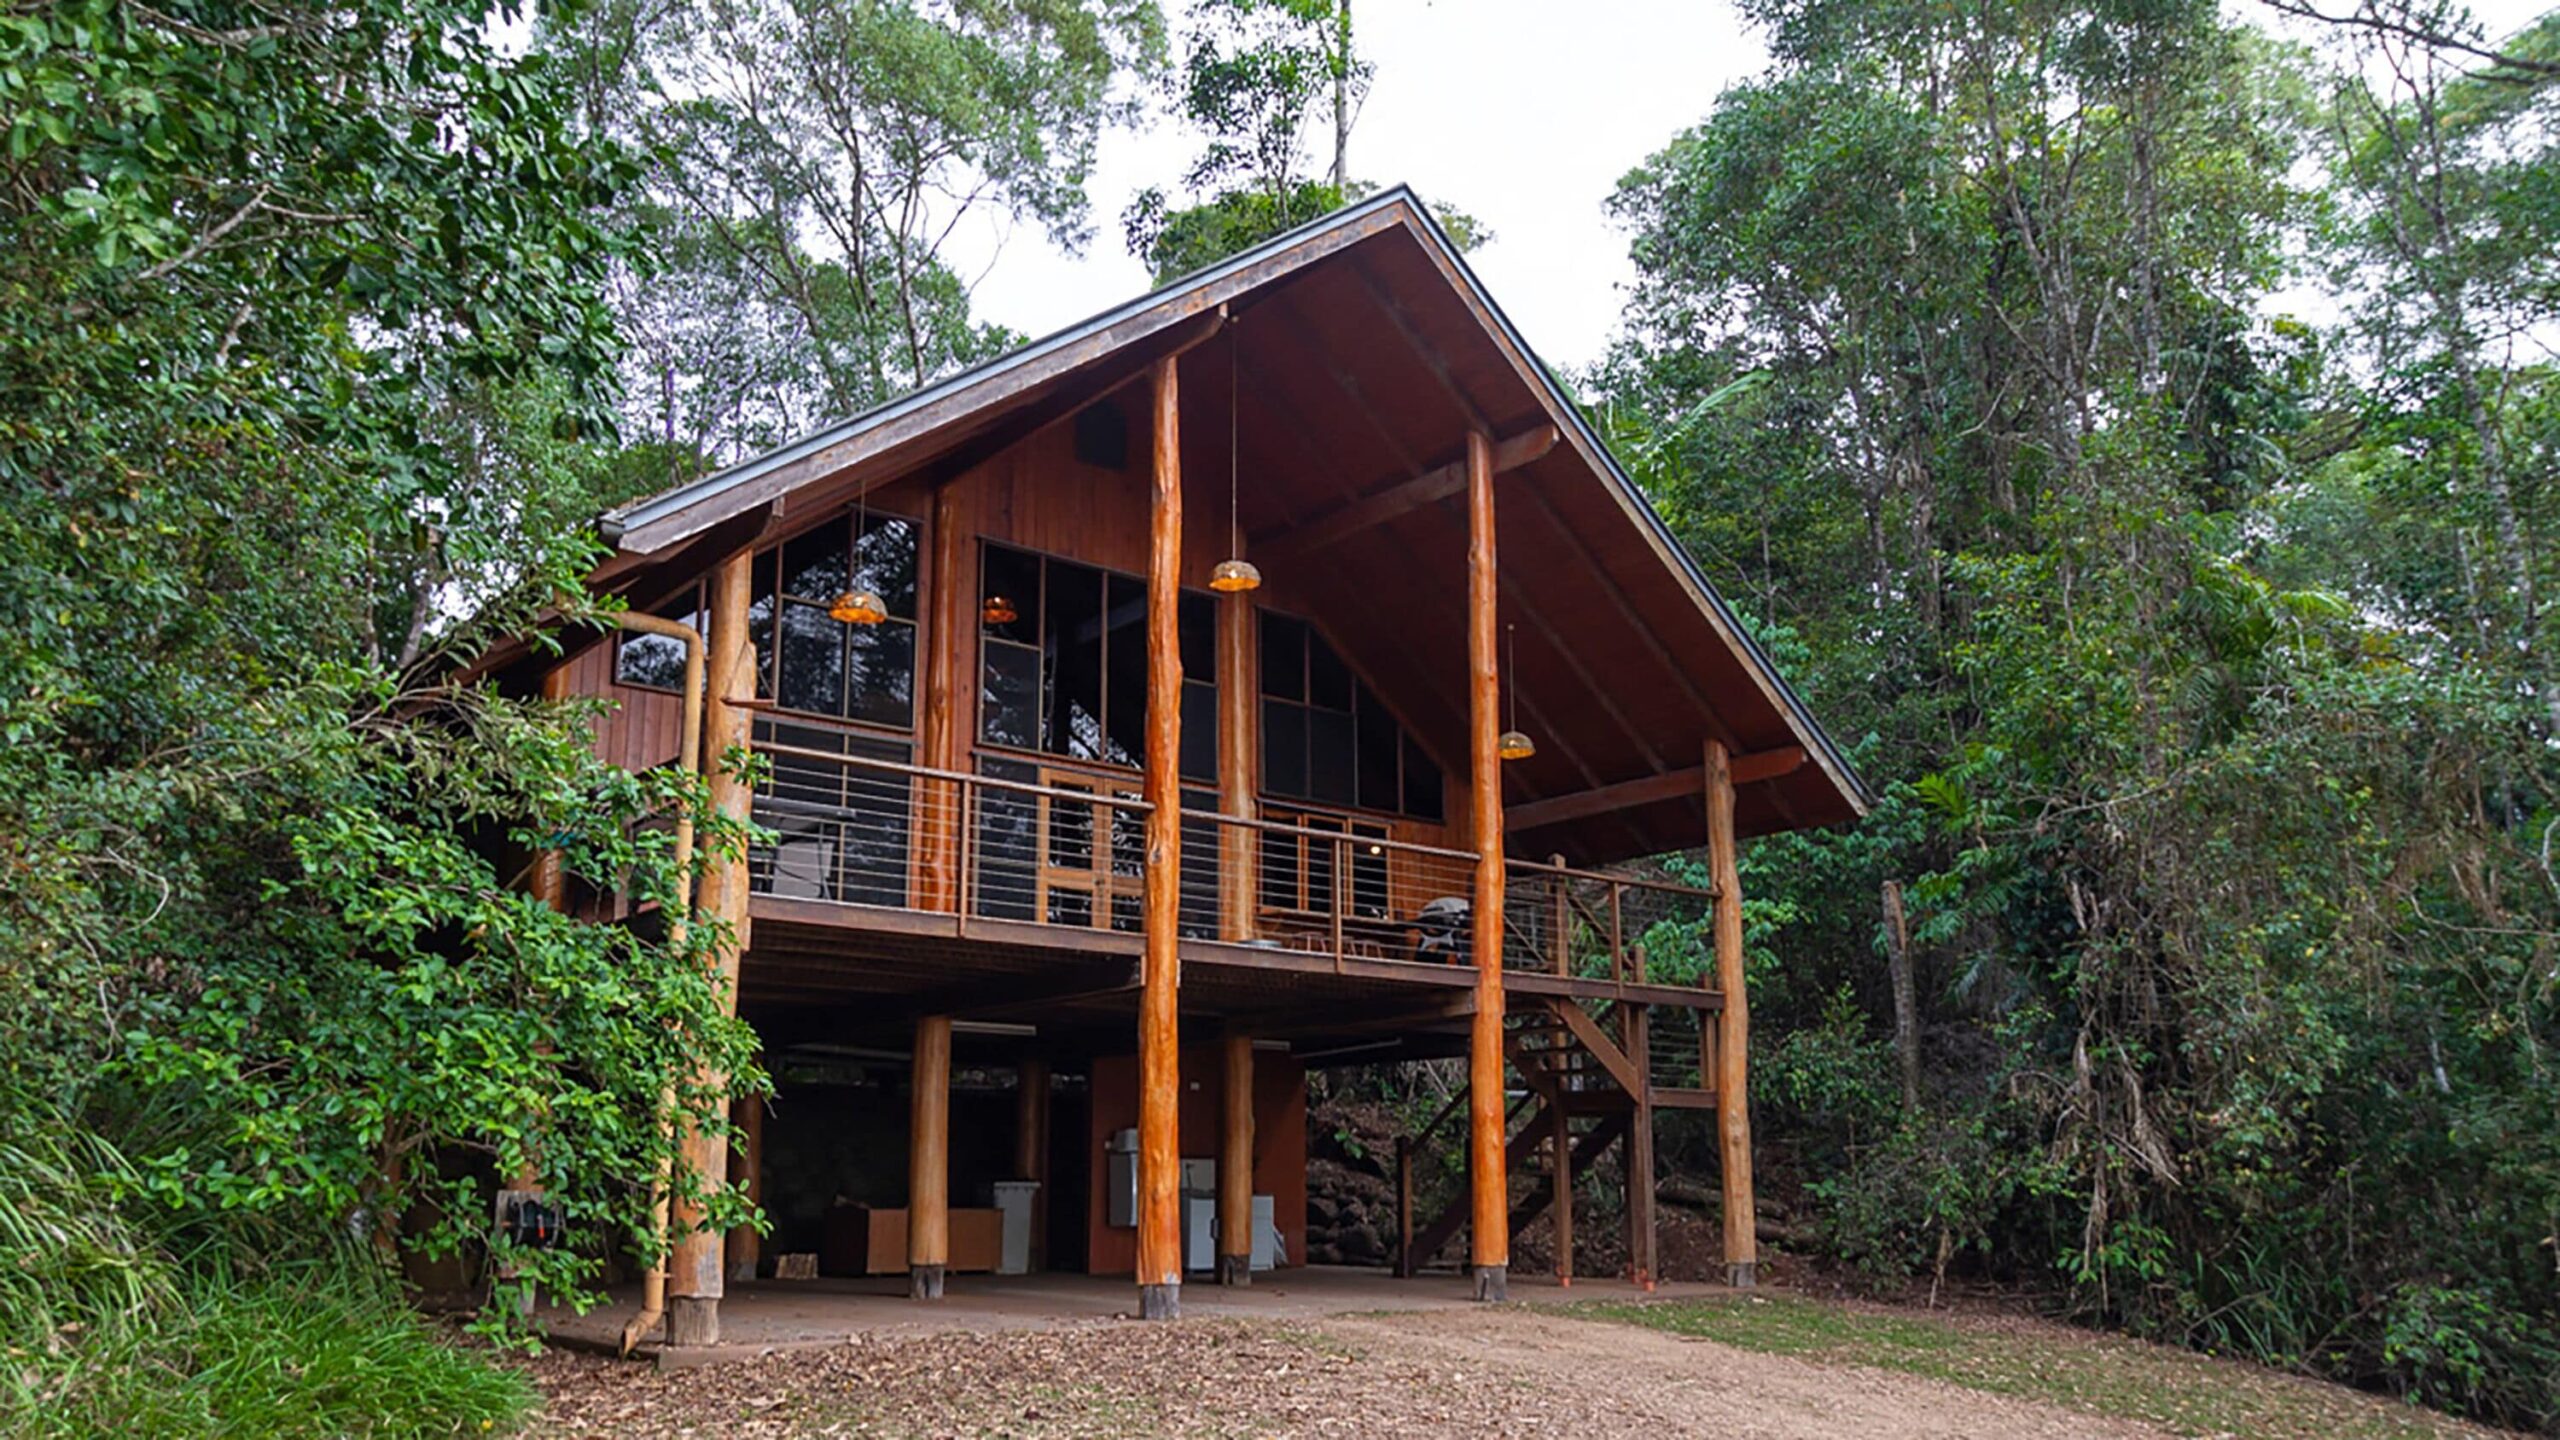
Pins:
<point x="1610" y="877"/>
<point x="1568" y="921"/>
<point x="1409" y="847"/>
<point x="911" y="770"/>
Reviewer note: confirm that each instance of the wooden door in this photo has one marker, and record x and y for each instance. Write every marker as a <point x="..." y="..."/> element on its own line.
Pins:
<point x="1092" y="855"/>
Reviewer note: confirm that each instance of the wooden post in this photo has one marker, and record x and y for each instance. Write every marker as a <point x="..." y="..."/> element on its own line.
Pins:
<point x="1561" y="926"/>
<point x="1405" y="1263"/>
<point x="1031" y="1148"/>
<point x="950" y="621"/>
<point x="1239" y="764"/>
<point x="1733" y="1063"/>
<point x="1643" y="1240"/>
<point x="746" y="1171"/>
<point x="1489" y="1177"/>
<point x="694" y="1274"/>
<point x="1159" y="1041"/>
<point x="929" y="1160"/>
<point x="1560" y="1139"/>
<point x="1235" y="1167"/>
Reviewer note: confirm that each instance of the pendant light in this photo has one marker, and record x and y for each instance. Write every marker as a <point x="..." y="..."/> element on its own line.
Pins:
<point x="1235" y="574"/>
<point x="859" y="605"/>
<point x="999" y="610"/>
<point x="1515" y="743"/>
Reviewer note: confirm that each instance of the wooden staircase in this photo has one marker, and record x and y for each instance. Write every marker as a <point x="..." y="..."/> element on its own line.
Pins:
<point x="1574" y="1063"/>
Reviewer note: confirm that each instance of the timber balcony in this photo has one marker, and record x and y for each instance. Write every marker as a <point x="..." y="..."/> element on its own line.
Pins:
<point x="967" y="866"/>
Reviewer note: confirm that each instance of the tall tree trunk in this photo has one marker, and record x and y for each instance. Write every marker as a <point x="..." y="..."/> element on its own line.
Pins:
<point x="1341" y="95"/>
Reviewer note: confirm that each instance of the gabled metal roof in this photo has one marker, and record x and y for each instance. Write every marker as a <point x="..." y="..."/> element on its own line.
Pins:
<point x="689" y="509"/>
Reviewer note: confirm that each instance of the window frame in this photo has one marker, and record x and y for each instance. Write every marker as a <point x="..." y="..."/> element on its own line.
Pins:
<point x="765" y="632"/>
<point x="1407" y="747"/>
<point x="1037" y="751"/>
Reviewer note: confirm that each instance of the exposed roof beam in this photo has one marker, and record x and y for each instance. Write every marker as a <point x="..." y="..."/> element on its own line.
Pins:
<point x="1423" y="350"/>
<point x="1603" y="695"/>
<point x="1402" y="498"/>
<point x="1617" y="596"/>
<point x="1651" y="789"/>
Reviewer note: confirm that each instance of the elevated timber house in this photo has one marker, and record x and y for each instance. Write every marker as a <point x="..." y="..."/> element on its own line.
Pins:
<point x="1080" y="853"/>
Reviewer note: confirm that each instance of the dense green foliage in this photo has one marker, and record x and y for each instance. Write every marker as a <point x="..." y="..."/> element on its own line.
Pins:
<point x="301" y="320"/>
<point x="2204" y="654"/>
<point x="2202" y="657"/>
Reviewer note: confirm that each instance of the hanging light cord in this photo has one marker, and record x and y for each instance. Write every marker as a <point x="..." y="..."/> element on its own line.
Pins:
<point x="1235" y="519"/>
<point x="1511" y="659"/>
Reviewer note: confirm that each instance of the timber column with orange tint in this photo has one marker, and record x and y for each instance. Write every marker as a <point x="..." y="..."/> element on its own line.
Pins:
<point x="949" y="630"/>
<point x="1489" y="1175"/>
<point x="1031" y="1148"/>
<point x="1235" y="1166"/>
<point x="1159" y="1040"/>
<point x="929" y="1160"/>
<point x="694" y="1273"/>
<point x="1239" y="764"/>
<point x="1733" y="1027"/>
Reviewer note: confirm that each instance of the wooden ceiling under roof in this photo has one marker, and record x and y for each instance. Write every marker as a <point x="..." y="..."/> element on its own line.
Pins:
<point x="1363" y="351"/>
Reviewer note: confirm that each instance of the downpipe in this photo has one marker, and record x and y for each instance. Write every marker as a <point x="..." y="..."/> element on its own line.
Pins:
<point x="653" y="1284"/>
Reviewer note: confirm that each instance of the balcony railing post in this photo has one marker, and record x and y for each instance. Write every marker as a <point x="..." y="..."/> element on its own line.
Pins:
<point x="1563" y="925"/>
<point x="1617" y="934"/>
<point x="964" y="827"/>
<point x="1341" y="895"/>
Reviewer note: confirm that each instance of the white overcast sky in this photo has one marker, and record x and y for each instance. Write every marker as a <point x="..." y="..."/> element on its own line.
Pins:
<point x="1523" y="113"/>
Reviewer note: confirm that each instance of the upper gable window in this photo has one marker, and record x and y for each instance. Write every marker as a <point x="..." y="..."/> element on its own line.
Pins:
<point x="1063" y="663"/>
<point x="808" y="661"/>
<point x="1326" y="737"/>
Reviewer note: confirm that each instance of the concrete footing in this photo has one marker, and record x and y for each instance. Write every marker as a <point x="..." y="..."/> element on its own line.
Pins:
<point x="1235" y="1269"/>
<point x="1493" y="1283"/>
<point x="1742" y="1276"/>
<point x="924" y="1282"/>
<point x="1159" y="1302"/>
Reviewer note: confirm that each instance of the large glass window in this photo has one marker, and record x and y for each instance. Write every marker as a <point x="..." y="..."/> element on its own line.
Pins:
<point x="810" y="662"/>
<point x="1063" y="663"/>
<point x="1325" y="736"/>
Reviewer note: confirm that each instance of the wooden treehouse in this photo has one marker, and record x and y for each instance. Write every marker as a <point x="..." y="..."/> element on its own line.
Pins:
<point x="1079" y="857"/>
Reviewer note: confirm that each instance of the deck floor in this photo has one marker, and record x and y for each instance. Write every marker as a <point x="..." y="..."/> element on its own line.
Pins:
<point x="764" y="1315"/>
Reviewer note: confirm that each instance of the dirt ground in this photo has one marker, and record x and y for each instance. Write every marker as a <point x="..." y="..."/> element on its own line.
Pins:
<point x="1506" y="1371"/>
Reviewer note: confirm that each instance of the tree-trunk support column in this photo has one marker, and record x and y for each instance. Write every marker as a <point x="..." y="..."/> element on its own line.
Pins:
<point x="1733" y="1025"/>
<point x="1031" y="1149"/>
<point x="929" y="1160"/>
<point x="1560" y="1140"/>
<point x="1239" y="763"/>
<point x="695" y="1280"/>
<point x="951" y="620"/>
<point x="1489" y="1176"/>
<point x="1159" y="1042"/>
<point x="1643" y="1240"/>
<point x="1235" y="1166"/>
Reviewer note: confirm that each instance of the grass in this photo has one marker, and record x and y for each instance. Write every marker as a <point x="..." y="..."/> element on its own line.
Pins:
<point x="2185" y="1393"/>
<point x="105" y="1333"/>
<point x="315" y="1349"/>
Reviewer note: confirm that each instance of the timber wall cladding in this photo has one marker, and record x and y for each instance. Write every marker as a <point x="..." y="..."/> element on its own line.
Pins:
<point x="1279" y="1142"/>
